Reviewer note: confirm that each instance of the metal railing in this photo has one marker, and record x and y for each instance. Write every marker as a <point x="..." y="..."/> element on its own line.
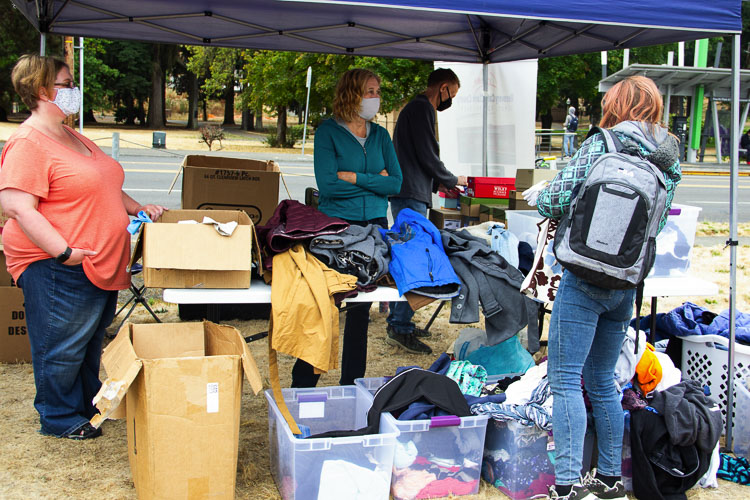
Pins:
<point x="539" y="134"/>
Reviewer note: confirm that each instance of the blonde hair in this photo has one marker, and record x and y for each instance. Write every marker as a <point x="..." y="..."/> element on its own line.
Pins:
<point x="33" y="72"/>
<point x="635" y="98"/>
<point x="349" y="91"/>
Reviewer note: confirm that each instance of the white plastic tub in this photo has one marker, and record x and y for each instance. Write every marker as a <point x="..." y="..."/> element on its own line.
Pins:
<point x="674" y="244"/>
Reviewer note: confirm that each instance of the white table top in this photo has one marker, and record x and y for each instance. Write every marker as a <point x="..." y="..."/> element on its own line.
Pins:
<point x="260" y="293"/>
<point x="678" y="286"/>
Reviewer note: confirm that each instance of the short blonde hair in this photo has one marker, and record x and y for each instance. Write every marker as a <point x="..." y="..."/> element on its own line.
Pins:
<point x="33" y="72"/>
<point x="635" y="98"/>
<point x="350" y="89"/>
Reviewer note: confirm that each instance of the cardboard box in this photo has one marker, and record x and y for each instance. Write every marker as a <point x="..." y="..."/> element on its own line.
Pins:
<point x="223" y="183"/>
<point x="527" y="177"/>
<point x="490" y="218"/>
<point x="490" y="187"/>
<point x="445" y="218"/>
<point x="5" y="278"/>
<point x="14" y="339"/>
<point x="519" y="204"/>
<point x="196" y="255"/>
<point x="184" y="386"/>
<point x="448" y="200"/>
<point x="469" y="206"/>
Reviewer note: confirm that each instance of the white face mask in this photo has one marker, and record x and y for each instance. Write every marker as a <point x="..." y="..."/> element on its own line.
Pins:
<point x="68" y="100"/>
<point x="369" y="107"/>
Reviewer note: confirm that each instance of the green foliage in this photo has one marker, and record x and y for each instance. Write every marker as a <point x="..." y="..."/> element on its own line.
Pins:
<point x="97" y="89"/>
<point x="293" y="136"/>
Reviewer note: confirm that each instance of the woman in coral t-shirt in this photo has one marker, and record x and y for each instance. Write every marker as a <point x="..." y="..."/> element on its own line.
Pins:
<point x="66" y="243"/>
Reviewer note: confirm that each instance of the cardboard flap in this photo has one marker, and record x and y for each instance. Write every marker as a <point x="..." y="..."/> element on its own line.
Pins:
<point x="229" y="163"/>
<point x="227" y="340"/>
<point x="137" y="249"/>
<point x="197" y="247"/>
<point x="122" y="366"/>
<point x="168" y="340"/>
<point x="257" y="255"/>
<point x="177" y="175"/>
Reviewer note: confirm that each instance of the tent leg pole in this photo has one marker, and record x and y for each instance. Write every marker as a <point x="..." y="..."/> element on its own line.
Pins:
<point x="734" y="160"/>
<point x="667" y="105"/>
<point x="485" y="90"/>
<point x="43" y="44"/>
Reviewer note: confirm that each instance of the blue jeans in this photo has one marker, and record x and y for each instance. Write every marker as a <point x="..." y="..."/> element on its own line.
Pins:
<point x="569" y="142"/>
<point x="66" y="316"/>
<point x="401" y="312"/>
<point x="587" y="327"/>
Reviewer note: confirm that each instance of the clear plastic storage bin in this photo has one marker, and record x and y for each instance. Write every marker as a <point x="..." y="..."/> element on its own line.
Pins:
<point x="518" y="459"/>
<point x="674" y="244"/>
<point x="438" y="457"/>
<point x="329" y="468"/>
<point x="523" y="224"/>
<point x="434" y="457"/>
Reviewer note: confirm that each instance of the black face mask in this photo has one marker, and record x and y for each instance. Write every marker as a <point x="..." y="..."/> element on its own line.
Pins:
<point x="444" y="104"/>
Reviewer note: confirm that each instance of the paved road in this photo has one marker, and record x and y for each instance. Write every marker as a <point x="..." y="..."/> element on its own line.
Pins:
<point x="149" y="173"/>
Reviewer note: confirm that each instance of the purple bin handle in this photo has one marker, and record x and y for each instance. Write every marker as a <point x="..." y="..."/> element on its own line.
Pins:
<point x="445" y="421"/>
<point x="675" y="211"/>
<point x="312" y="398"/>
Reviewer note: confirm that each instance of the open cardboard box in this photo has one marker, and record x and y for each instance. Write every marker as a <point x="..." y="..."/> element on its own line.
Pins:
<point x="184" y="385"/>
<point x="196" y="255"/>
<point x="224" y="183"/>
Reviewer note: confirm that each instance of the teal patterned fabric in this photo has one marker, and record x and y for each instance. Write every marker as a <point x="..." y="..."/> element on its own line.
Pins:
<point x="554" y="201"/>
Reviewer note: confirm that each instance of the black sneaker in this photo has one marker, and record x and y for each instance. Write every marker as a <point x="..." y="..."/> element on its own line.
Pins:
<point x="86" y="431"/>
<point x="578" y="492"/>
<point x="422" y="333"/>
<point x="601" y="490"/>
<point x="408" y="342"/>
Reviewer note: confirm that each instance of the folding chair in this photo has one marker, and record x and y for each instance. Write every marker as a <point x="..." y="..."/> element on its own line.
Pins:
<point x="137" y="297"/>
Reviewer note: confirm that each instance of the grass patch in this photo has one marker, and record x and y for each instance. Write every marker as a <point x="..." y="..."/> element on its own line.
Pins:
<point x="709" y="228"/>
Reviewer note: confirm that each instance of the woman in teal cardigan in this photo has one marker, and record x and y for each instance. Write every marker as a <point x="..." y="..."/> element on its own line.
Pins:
<point x="356" y="169"/>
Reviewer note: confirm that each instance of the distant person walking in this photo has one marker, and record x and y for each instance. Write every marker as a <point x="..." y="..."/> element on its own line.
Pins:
<point x="569" y="139"/>
<point x="419" y="156"/>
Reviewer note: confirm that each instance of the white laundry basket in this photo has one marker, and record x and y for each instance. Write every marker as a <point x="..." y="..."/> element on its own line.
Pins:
<point x="706" y="363"/>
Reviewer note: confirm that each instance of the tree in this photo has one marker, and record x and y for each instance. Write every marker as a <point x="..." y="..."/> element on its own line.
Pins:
<point x="97" y="92"/>
<point x="162" y="58"/>
<point x="130" y="89"/>
<point x="18" y="38"/>
<point x="217" y="67"/>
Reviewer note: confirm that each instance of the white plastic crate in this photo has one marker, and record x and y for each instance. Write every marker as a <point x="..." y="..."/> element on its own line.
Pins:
<point x="371" y="384"/>
<point x="703" y="362"/>
<point x="523" y="224"/>
<point x="328" y="468"/>
<point x="741" y="433"/>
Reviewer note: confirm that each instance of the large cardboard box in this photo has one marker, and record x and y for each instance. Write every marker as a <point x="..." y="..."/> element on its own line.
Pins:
<point x="14" y="339"/>
<point x="445" y="218"/>
<point x="184" y="386"/>
<point x="179" y="255"/>
<point x="469" y="205"/>
<point x="527" y="177"/>
<point x="223" y="183"/>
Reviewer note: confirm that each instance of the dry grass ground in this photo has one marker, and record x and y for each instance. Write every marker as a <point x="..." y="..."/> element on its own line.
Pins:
<point x="35" y="466"/>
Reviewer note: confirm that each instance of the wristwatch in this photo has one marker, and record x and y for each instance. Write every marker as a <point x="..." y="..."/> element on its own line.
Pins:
<point x="65" y="255"/>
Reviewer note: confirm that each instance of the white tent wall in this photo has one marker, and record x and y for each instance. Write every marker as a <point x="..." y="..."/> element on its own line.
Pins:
<point x="511" y="108"/>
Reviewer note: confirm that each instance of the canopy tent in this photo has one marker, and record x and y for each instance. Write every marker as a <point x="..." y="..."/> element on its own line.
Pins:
<point x="486" y="31"/>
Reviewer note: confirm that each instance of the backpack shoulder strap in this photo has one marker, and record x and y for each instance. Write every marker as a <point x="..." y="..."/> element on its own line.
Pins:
<point x="611" y="141"/>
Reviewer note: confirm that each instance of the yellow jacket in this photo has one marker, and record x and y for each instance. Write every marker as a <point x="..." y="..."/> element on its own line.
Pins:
<point x="305" y="319"/>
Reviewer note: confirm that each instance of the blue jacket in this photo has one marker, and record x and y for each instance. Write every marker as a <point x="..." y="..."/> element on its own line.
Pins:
<point x="336" y="150"/>
<point x="417" y="255"/>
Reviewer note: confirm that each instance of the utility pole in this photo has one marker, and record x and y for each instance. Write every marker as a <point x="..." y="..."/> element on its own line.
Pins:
<point x="70" y="60"/>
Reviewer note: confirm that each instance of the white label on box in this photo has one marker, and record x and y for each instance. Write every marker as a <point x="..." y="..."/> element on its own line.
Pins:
<point x="212" y="397"/>
<point x="452" y="224"/>
<point x="312" y="409"/>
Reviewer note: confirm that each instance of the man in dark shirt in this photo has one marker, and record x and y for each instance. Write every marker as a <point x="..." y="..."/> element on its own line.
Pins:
<point x="423" y="174"/>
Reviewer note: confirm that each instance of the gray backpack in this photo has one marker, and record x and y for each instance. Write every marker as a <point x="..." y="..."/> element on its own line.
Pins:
<point x="608" y="238"/>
